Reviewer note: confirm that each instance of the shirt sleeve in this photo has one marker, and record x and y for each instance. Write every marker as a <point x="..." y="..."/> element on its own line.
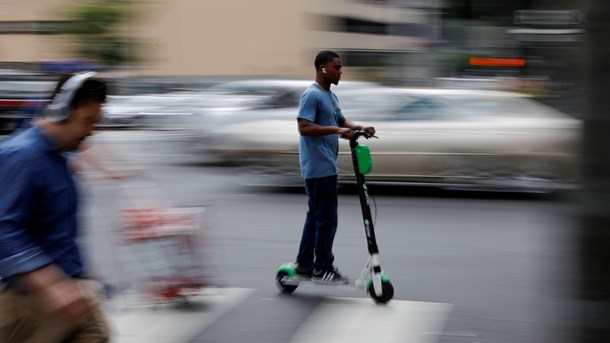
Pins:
<point x="308" y="107"/>
<point x="19" y="253"/>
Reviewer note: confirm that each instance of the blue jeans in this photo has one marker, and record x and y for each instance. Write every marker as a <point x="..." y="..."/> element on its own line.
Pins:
<point x="320" y="224"/>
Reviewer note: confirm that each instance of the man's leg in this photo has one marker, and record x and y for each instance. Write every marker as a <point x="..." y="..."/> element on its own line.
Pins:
<point x="23" y="321"/>
<point x="94" y="328"/>
<point x="305" y="256"/>
<point x="14" y="326"/>
<point x="325" y="220"/>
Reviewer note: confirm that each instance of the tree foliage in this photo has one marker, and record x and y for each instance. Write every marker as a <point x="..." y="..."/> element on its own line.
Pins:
<point x="97" y="24"/>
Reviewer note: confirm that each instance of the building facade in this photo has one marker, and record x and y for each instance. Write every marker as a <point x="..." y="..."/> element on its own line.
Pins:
<point x="235" y="37"/>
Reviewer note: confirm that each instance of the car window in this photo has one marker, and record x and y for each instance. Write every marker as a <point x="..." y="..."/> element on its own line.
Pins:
<point x="26" y="86"/>
<point x="129" y="101"/>
<point x="362" y="100"/>
<point x="245" y="89"/>
<point x="239" y="89"/>
<point x="261" y="95"/>
<point x="498" y="106"/>
<point x="423" y="108"/>
<point x="283" y="100"/>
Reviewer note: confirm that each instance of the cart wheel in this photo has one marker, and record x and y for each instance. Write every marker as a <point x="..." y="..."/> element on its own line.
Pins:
<point x="287" y="289"/>
<point x="387" y="292"/>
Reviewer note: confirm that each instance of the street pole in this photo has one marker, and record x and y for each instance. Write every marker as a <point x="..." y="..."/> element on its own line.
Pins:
<point x="593" y="323"/>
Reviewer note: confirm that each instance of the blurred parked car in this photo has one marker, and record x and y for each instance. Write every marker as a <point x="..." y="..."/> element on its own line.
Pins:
<point x="257" y="99"/>
<point x="217" y="105"/>
<point x="453" y="138"/>
<point x="262" y="98"/>
<point x="170" y="111"/>
<point x="21" y="100"/>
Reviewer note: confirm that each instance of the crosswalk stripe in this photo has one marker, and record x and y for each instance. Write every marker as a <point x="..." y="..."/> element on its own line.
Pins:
<point x="351" y="320"/>
<point x="148" y="324"/>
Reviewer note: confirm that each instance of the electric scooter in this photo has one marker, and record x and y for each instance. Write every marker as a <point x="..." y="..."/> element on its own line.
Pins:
<point x="372" y="279"/>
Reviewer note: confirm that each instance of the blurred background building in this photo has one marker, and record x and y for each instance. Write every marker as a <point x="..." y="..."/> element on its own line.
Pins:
<point x="188" y="37"/>
<point x="393" y="41"/>
<point x="153" y="46"/>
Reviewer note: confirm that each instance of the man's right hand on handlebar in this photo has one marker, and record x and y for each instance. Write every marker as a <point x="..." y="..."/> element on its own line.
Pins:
<point x="346" y="132"/>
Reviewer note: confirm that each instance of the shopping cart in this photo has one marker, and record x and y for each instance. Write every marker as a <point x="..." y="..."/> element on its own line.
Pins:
<point x="165" y="245"/>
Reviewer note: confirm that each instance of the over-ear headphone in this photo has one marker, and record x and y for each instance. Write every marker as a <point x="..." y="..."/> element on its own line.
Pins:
<point x="59" y="109"/>
<point x="324" y="70"/>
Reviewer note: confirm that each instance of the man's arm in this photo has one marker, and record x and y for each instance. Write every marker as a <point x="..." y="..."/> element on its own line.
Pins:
<point x="92" y="159"/>
<point x="30" y="270"/>
<point x="57" y="293"/>
<point x="19" y="253"/>
<point x="307" y="128"/>
<point x="352" y="126"/>
<point x="308" y="109"/>
<point x="348" y="124"/>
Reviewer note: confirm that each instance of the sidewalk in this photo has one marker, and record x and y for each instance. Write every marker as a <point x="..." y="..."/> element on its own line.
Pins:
<point x="135" y="322"/>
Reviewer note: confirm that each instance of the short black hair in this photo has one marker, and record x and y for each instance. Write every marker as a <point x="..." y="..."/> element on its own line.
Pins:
<point x="92" y="90"/>
<point x="324" y="56"/>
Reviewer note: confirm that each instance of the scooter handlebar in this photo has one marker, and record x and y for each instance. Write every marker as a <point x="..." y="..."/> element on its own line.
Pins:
<point x="360" y="133"/>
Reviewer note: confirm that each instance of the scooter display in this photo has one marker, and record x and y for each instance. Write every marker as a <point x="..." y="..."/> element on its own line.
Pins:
<point x="372" y="279"/>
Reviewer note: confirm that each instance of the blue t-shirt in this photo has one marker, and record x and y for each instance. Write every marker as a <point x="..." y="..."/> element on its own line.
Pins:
<point x="38" y="204"/>
<point x="318" y="155"/>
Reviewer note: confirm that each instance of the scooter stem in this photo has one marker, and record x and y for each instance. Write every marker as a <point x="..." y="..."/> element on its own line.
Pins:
<point x="369" y="228"/>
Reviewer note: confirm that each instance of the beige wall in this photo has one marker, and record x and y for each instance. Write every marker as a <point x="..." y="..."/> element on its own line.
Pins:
<point x="32" y="47"/>
<point x="223" y="37"/>
<point x="213" y="37"/>
<point x="181" y="37"/>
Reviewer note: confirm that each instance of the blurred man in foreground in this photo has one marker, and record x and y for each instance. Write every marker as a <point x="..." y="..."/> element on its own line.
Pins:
<point x="43" y="297"/>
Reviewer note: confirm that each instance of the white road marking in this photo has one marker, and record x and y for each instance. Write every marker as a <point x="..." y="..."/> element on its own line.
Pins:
<point x="351" y="320"/>
<point x="163" y="324"/>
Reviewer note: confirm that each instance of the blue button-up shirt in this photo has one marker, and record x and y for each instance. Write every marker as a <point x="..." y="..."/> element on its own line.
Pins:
<point x="38" y="204"/>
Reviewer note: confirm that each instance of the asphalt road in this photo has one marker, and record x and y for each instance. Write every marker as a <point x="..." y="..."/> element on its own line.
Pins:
<point x="501" y="262"/>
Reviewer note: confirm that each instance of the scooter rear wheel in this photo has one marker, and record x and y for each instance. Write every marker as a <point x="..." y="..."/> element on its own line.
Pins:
<point x="387" y="292"/>
<point x="287" y="289"/>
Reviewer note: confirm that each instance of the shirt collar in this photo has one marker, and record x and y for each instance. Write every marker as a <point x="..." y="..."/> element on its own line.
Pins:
<point x="318" y="85"/>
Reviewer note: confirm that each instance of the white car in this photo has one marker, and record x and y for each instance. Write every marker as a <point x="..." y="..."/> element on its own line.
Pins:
<point x="453" y="138"/>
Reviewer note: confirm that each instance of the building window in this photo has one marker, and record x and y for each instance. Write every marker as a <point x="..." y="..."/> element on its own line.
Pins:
<point x="403" y="3"/>
<point x="30" y="27"/>
<point x="362" y="26"/>
<point x="353" y="25"/>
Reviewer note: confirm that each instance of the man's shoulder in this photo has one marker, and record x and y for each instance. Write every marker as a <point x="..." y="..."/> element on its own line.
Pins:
<point x="312" y="96"/>
<point x="21" y="146"/>
<point x="313" y="90"/>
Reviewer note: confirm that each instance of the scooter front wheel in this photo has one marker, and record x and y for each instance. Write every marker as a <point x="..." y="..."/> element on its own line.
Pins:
<point x="281" y="285"/>
<point x="387" y="292"/>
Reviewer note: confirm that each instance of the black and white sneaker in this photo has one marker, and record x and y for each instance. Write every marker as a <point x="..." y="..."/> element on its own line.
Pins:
<point x="330" y="276"/>
<point x="303" y="273"/>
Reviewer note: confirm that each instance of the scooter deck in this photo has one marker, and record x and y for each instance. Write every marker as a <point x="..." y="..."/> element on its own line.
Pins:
<point x="291" y="278"/>
<point x="298" y="279"/>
